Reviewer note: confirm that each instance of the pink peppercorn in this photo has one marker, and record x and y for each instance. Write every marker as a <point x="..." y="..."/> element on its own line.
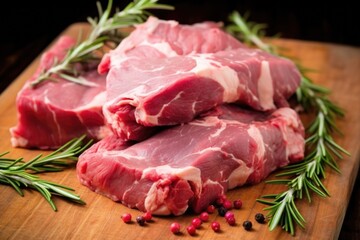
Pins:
<point x="175" y="227"/>
<point x="227" y="204"/>
<point x="229" y="214"/>
<point x="191" y="230"/>
<point x="210" y="209"/>
<point x="204" y="216"/>
<point x="126" y="217"/>
<point x="147" y="216"/>
<point x="237" y="204"/>
<point x="215" y="226"/>
<point x="196" y="222"/>
<point x="231" y="221"/>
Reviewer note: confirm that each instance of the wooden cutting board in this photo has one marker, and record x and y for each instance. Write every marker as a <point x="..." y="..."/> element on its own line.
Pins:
<point x="30" y="217"/>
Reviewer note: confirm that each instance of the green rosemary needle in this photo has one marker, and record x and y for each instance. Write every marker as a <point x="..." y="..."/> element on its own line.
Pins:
<point x="19" y="174"/>
<point x="321" y="149"/>
<point x="103" y="30"/>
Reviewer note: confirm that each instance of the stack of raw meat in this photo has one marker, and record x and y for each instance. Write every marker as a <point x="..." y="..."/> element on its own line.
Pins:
<point x="192" y="113"/>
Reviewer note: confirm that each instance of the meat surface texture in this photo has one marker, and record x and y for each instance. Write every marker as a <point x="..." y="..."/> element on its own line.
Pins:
<point x="165" y="73"/>
<point x="159" y="38"/>
<point x="187" y="167"/>
<point x="55" y="112"/>
<point x="167" y="91"/>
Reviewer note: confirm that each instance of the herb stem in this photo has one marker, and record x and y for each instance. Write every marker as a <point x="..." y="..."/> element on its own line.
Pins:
<point x="19" y="174"/>
<point x="320" y="147"/>
<point x="102" y="31"/>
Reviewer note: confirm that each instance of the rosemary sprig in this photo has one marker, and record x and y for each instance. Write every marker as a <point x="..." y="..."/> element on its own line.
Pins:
<point x="19" y="174"/>
<point x="321" y="149"/>
<point x="103" y="30"/>
<point x="248" y="32"/>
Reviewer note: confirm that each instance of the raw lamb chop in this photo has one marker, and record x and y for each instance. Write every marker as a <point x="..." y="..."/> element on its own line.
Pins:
<point x="156" y="39"/>
<point x="160" y="38"/>
<point x="142" y="93"/>
<point x="53" y="113"/>
<point x="163" y="65"/>
<point x="190" y="165"/>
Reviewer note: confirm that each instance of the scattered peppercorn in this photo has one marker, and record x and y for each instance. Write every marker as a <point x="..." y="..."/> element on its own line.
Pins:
<point x="237" y="204"/>
<point x="126" y="217"/>
<point x="231" y="220"/>
<point x="191" y="230"/>
<point x="215" y="226"/>
<point x="204" y="216"/>
<point x="229" y="214"/>
<point x="175" y="227"/>
<point x="147" y="216"/>
<point x="210" y="209"/>
<point x="227" y="204"/>
<point x="247" y="225"/>
<point x="259" y="217"/>
<point x="140" y="220"/>
<point x="222" y="211"/>
<point x="196" y="222"/>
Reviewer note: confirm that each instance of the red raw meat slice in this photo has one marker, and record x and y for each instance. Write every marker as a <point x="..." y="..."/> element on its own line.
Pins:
<point x="142" y="94"/>
<point x="53" y="113"/>
<point x="190" y="165"/>
<point x="165" y="38"/>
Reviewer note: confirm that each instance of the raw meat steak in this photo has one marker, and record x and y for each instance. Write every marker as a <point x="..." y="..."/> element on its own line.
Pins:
<point x="156" y="39"/>
<point x="143" y="93"/>
<point x="53" y="113"/>
<point x="190" y="165"/>
<point x="159" y="38"/>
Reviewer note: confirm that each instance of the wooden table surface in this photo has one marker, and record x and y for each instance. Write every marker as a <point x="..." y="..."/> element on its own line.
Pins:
<point x="30" y="217"/>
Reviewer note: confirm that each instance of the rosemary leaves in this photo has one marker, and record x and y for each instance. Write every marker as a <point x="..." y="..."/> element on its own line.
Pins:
<point x="321" y="149"/>
<point x="19" y="174"/>
<point x="103" y="30"/>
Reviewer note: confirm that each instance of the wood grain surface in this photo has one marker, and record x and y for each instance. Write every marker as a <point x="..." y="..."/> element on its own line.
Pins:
<point x="30" y="217"/>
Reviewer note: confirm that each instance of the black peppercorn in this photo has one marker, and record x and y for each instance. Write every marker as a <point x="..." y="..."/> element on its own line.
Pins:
<point x="247" y="225"/>
<point x="222" y="211"/>
<point x="140" y="220"/>
<point x="259" y="217"/>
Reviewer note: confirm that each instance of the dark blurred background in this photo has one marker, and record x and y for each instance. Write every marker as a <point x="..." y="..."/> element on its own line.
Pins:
<point x="27" y="27"/>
